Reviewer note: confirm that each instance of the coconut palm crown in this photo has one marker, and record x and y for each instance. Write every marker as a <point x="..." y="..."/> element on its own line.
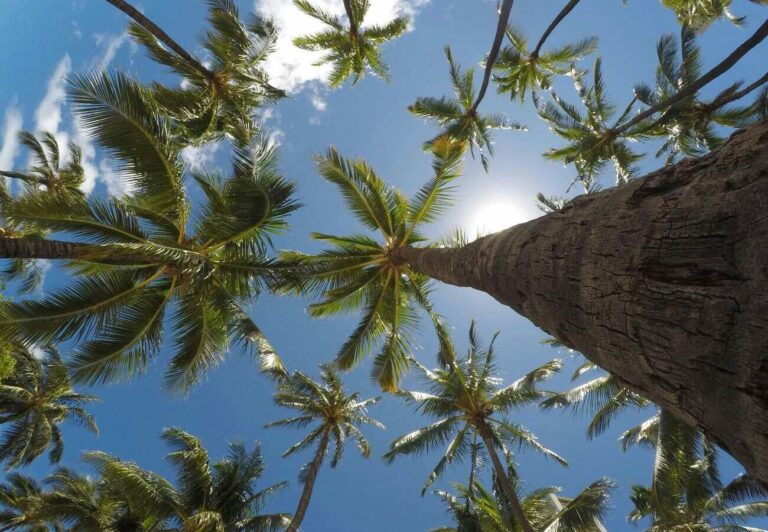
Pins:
<point x="222" y="495"/>
<point x="34" y="401"/>
<point x="362" y="274"/>
<point x="699" y="14"/>
<point x="470" y="404"/>
<point x="351" y="48"/>
<point x="147" y="256"/>
<point x="521" y="70"/>
<point x="482" y="510"/>
<point x="334" y="416"/>
<point x="22" y="504"/>
<point x="689" y="128"/>
<point x="458" y="116"/>
<point x="222" y="97"/>
<point x="593" y="138"/>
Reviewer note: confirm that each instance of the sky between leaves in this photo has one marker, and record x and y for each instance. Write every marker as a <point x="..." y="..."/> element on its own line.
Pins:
<point x="46" y="40"/>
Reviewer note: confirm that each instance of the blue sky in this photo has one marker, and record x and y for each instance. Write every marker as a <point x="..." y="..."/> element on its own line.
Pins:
<point x="45" y="40"/>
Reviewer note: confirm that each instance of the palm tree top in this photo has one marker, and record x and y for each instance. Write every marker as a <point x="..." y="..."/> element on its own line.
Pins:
<point x="150" y="254"/>
<point x="352" y="48"/>
<point x="327" y="408"/>
<point x="469" y="401"/>
<point x="363" y="273"/>
<point x="34" y="400"/>
<point x="458" y="116"/>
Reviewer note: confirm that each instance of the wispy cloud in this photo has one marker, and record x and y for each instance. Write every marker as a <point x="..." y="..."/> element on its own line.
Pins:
<point x="112" y="44"/>
<point x="291" y="68"/>
<point x="198" y="157"/>
<point x="49" y="113"/>
<point x="11" y="126"/>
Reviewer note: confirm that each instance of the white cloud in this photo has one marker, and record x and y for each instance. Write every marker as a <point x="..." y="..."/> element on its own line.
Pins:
<point x="115" y="182"/>
<point x="11" y="127"/>
<point x="198" y="157"/>
<point x="48" y="113"/>
<point x="88" y="151"/>
<point x="291" y="68"/>
<point x="113" y="44"/>
<point x="317" y="100"/>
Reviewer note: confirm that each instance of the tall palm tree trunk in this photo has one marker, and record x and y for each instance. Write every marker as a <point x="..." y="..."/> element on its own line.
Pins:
<point x="663" y="282"/>
<point x="309" y="483"/>
<point x="506" y="485"/>
<point x="34" y="248"/>
<point x="351" y="16"/>
<point x="163" y="37"/>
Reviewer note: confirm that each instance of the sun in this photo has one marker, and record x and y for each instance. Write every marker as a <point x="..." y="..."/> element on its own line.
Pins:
<point x="493" y="217"/>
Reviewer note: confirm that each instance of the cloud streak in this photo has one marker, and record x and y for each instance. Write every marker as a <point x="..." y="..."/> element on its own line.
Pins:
<point x="12" y="124"/>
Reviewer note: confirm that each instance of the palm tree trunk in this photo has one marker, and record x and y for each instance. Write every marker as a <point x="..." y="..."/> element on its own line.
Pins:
<point x="501" y="28"/>
<point x="506" y="485"/>
<point x="309" y="483"/>
<point x="663" y="282"/>
<point x="34" y="248"/>
<point x="552" y="25"/>
<point x="163" y="37"/>
<point x="351" y="16"/>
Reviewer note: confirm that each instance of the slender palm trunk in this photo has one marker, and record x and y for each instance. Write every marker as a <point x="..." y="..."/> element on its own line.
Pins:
<point x="34" y="248"/>
<point x="506" y="485"/>
<point x="351" y="16"/>
<point x="501" y="28"/>
<point x="663" y="282"/>
<point x="557" y="20"/>
<point x="309" y="483"/>
<point x="163" y="37"/>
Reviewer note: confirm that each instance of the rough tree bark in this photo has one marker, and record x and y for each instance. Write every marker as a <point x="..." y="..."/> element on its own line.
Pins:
<point x="663" y="282"/>
<point x="309" y="483"/>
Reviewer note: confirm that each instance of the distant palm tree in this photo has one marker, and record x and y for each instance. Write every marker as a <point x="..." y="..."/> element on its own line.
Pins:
<point x="522" y="70"/>
<point x="337" y="416"/>
<point x="22" y="504"/>
<point x="219" y="99"/>
<point x="459" y="117"/>
<point x="209" y="497"/>
<point x="34" y="401"/>
<point x="593" y="139"/>
<point x="50" y="168"/>
<point x="84" y="504"/>
<point x="350" y="48"/>
<point x="699" y="14"/>
<point x="144" y="256"/>
<point x="686" y="492"/>
<point x="480" y="510"/>
<point x="362" y="275"/>
<point x="691" y="126"/>
<point x="51" y="173"/>
<point x="467" y="399"/>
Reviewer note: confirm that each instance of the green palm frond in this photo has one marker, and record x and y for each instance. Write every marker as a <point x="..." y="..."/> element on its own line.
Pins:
<point x="458" y="117"/>
<point x="591" y="143"/>
<point x="361" y="274"/>
<point x="352" y="49"/>
<point x="220" y="99"/>
<point x="466" y="398"/>
<point x="521" y="71"/>
<point x="34" y="401"/>
<point x="699" y="14"/>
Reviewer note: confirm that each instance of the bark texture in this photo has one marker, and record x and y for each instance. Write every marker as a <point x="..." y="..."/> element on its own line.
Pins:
<point x="663" y="282"/>
<point x="309" y="484"/>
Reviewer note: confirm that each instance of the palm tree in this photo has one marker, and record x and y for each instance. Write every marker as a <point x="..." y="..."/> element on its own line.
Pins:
<point x="458" y="116"/>
<point x="467" y="400"/>
<point x="591" y="142"/>
<point x="522" y="71"/>
<point x="50" y="169"/>
<point x="699" y="14"/>
<point x="219" y="99"/>
<point x="480" y="510"/>
<point x="34" y="401"/>
<point x="84" y="504"/>
<point x="686" y="492"/>
<point x="145" y="256"/>
<point x="362" y="275"/>
<point x="353" y="48"/>
<point x="22" y="503"/>
<point x="208" y="497"/>
<point x="337" y="416"/>
<point x="52" y="173"/>
<point x="690" y="126"/>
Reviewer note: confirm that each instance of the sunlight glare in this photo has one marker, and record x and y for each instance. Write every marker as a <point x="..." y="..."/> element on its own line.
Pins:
<point x="493" y="217"/>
